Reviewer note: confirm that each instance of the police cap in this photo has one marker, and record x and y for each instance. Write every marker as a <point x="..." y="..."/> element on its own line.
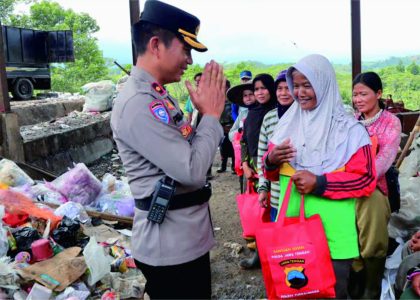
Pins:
<point x="183" y="24"/>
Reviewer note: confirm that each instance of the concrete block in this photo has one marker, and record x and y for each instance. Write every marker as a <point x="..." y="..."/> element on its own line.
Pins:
<point x="93" y="151"/>
<point x="38" y="111"/>
<point x="55" y="149"/>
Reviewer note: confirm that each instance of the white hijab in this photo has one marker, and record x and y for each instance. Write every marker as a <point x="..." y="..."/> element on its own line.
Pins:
<point x="327" y="136"/>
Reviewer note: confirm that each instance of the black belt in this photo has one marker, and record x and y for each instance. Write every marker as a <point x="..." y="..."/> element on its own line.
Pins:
<point x="180" y="201"/>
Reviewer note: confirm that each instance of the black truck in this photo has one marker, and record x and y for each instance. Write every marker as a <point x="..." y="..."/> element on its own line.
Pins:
<point x="28" y="54"/>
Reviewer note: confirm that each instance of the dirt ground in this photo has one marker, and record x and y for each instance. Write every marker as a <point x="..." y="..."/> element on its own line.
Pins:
<point x="229" y="281"/>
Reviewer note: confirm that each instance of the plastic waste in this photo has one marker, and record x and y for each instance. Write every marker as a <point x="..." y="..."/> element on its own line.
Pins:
<point x="74" y="211"/>
<point x="25" y="237"/>
<point x="66" y="232"/>
<point x="4" y="242"/>
<point x="99" y="96"/>
<point x="78" y="185"/>
<point x="97" y="261"/>
<point x="12" y="175"/>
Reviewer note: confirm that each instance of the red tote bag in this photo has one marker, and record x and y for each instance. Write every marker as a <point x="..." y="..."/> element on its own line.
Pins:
<point x="295" y="257"/>
<point x="236" y="144"/>
<point x="251" y="214"/>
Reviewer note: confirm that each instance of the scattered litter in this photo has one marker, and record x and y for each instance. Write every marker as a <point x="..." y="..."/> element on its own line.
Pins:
<point x="97" y="261"/>
<point x="236" y="248"/>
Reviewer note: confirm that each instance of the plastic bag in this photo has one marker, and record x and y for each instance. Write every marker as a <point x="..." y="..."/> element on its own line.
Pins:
<point x="97" y="261"/>
<point x="8" y="275"/>
<point x="77" y="291"/>
<point x="128" y="286"/>
<point x="66" y="232"/>
<point x="43" y="192"/>
<point x="74" y="211"/>
<point x="115" y="197"/>
<point x="111" y="184"/>
<point x="18" y="203"/>
<point x="12" y="175"/>
<point x="25" y="237"/>
<point x="116" y="204"/>
<point x="391" y="266"/>
<point x="98" y="96"/>
<point x="4" y="243"/>
<point x="78" y="185"/>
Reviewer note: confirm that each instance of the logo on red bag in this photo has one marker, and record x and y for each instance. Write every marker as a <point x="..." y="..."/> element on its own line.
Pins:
<point x="295" y="277"/>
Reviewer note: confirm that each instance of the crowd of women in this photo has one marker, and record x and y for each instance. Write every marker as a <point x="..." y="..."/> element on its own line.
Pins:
<point x="296" y="128"/>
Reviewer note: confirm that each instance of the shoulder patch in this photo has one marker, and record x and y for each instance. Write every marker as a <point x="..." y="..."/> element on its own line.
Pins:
<point x="158" y="88"/>
<point x="159" y="111"/>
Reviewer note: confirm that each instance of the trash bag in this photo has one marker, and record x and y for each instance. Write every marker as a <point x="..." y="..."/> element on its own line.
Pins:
<point x="99" y="96"/>
<point x="72" y="210"/>
<point x="78" y="185"/>
<point x="12" y="175"/>
<point x="25" y="237"/>
<point x="66" y="232"/>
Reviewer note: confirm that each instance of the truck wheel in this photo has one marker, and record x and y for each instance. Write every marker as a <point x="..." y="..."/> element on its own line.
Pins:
<point x="22" y="89"/>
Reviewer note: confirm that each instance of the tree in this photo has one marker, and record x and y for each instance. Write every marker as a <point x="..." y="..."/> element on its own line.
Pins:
<point x="89" y="63"/>
<point x="6" y="7"/>
<point x="413" y="68"/>
<point x="400" y="67"/>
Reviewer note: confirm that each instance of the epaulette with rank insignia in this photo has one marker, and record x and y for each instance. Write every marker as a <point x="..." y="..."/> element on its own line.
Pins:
<point x="159" y="89"/>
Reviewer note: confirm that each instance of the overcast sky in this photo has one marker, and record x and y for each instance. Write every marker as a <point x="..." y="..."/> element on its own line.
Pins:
<point x="273" y="31"/>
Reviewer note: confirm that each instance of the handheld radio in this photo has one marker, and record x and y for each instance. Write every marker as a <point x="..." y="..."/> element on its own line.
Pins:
<point x="162" y="196"/>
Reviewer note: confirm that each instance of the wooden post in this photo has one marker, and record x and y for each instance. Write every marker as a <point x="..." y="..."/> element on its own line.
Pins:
<point x="134" y="17"/>
<point x="413" y="133"/>
<point x="12" y="144"/>
<point x="356" y="51"/>
<point x="4" y="91"/>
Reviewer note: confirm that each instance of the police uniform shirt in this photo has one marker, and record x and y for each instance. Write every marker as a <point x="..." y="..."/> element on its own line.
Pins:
<point x="151" y="144"/>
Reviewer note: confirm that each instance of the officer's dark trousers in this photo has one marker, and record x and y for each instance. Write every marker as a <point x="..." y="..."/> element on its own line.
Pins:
<point x="191" y="280"/>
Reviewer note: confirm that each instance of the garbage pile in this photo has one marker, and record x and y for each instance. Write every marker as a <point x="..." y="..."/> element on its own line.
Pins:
<point x="404" y="223"/>
<point x="51" y="247"/>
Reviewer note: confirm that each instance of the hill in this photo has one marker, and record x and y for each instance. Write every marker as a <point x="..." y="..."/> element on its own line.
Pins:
<point x="400" y="76"/>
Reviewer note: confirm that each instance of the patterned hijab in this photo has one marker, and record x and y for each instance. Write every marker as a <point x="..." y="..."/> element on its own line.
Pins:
<point x="325" y="137"/>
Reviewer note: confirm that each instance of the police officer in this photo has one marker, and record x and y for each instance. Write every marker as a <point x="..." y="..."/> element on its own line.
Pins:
<point x="161" y="153"/>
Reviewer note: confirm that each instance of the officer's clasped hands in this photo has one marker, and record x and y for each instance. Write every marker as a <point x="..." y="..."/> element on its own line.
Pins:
<point x="209" y="96"/>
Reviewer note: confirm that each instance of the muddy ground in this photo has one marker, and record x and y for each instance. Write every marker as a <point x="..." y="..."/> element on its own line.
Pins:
<point x="229" y="281"/>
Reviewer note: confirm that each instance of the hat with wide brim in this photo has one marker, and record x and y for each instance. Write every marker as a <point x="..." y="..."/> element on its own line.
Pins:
<point x="235" y="94"/>
<point x="180" y="22"/>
